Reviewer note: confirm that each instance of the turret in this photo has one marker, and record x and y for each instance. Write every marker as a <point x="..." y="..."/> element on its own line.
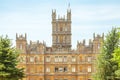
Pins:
<point x="21" y="42"/>
<point x="69" y="14"/>
<point x="97" y="42"/>
<point x="53" y="15"/>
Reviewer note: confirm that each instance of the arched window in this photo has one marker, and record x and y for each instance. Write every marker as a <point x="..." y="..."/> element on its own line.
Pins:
<point x="20" y="46"/>
<point x="56" y="69"/>
<point x="61" y="28"/>
<point x="36" y="59"/>
<point x="31" y="59"/>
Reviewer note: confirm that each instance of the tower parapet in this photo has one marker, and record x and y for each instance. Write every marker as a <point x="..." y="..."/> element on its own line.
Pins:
<point x="21" y="37"/>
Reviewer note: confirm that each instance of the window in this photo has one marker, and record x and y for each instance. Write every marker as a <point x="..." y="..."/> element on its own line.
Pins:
<point x="65" y="69"/>
<point x="73" y="59"/>
<point x="61" y="28"/>
<point x="20" y="46"/>
<point x="56" y="58"/>
<point x="73" y="69"/>
<point x="65" y="58"/>
<point x="60" y="69"/>
<point x="65" y="28"/>
<point x="98" y="46"/>
<point x="48" y="59"/>
<point x="47" y="69"/>
<point x="36" y="59"/>
<point x="56" y="69"/>
<point x="31" y="59"/>
<point x="89" y="58"/>
<point x="60" y="58"/>
<point x="89" y="68"/>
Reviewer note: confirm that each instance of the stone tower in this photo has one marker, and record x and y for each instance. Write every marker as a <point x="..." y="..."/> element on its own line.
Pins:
<point x="61" y="31"/>
<point x="21" y="43"/>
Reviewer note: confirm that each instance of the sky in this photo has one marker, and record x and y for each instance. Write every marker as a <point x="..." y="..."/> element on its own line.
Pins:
<point x="34" y="18"/>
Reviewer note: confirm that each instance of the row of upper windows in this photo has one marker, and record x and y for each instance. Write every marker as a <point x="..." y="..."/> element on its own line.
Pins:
<point x="65" y="59"/>
<point x="30" y="59"/>
<point x="49" y="59"/>
<point x="65" y="69"/>
<point x="61" y="28"/>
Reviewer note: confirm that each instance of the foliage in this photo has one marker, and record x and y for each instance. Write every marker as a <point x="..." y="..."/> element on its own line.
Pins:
<point x="116" y="58"/>
<point x="8" y="61"/>
<point x="105" y="67"/>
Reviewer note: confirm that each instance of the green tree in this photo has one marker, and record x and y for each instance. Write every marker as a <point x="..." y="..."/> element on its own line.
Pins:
<point x="105" y="67"/>
<point x="116" y="57"/>
<point x="8" y="61"/>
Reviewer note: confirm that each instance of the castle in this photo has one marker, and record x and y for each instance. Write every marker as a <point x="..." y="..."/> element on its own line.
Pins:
<point x="58" y="62"/>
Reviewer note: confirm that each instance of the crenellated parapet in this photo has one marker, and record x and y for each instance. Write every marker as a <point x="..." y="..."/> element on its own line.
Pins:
<point x="36" y="47"/>
<point x="61" y="18"/>
<point x="32" y="47"/>
<point x="96" y="37"/>
<point x="93" y="45"/>
<point x="21" y="36"/>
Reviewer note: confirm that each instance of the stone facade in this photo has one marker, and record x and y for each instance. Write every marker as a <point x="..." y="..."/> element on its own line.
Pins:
<point x="58" y="62"/>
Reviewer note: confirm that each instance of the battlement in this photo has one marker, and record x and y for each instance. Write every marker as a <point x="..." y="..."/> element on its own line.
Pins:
<point x="61" y="18"/>
<point x="93" y="45"/>
<point x="98" y="36"/>
<point x="21" y="37"/>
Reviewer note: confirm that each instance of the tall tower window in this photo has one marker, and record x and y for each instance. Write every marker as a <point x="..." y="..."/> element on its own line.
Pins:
<point x="73" y="59"/>
<point x="61" y="39"/>
<point x="89" y="58"/>
<point x="65" y="28"/>
<point x="47" y="69"/>
<point x="73" y="69"/>
<point x="48" y="59"/>
<point x="56" y="58"/>
<point x="20" y="47"/>
<point x="31" y="59"/>
<point x="60" y="58"/>
<point x="89" y="69"/>
<point x="61" y="28"/>
<point x="65" y="58"/>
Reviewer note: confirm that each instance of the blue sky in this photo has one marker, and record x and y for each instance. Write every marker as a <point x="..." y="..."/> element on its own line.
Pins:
<point x="34" y="18"/>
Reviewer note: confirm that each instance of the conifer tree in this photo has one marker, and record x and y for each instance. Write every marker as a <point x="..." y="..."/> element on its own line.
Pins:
<point x="8" y="61"/>
<point x="105" y="67"/>
<point x="116" y="57"/>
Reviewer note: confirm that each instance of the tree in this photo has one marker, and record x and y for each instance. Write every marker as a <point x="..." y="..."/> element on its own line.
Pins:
<point x="116" y="57"/>
<point x="105" y="67"/>
<point x="8" y="61"/>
